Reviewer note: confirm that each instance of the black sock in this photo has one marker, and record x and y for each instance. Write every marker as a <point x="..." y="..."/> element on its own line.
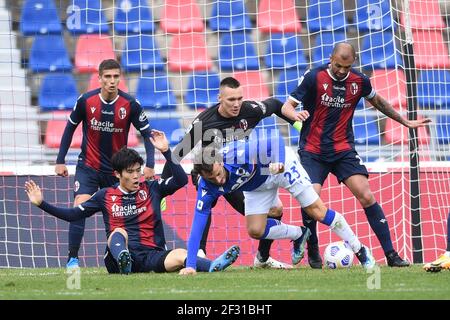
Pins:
<point x="311" y="224"/>
<point x="379" y="225"/>
<point x="76" y="232"/>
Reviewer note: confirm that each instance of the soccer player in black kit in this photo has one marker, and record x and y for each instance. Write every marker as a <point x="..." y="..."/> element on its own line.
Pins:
<point x="231" y="119"/>
<point x="132" y="216"/>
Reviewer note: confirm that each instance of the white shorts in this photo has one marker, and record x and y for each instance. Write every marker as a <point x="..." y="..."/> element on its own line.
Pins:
<point x="294" y="179"/>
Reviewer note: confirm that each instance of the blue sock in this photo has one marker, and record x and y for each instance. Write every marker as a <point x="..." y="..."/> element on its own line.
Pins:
<point x="448" y="232"/>
<point x="379" y="225"/>
<point x="202" y="264"/>
<point x="117" y="244"/>
<point x="270" y="223"/>
<point x="311" y="224"/>
<point x="76" y="232"/>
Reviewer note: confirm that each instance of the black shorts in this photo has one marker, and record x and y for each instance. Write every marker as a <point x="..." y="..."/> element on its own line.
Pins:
<point x="143" y="260"/>
<point x="88" y="180"/>
<point x="343" y="165"/>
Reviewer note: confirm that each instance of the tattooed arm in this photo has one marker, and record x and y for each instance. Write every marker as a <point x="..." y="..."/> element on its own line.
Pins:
<point x="385" y="107"/>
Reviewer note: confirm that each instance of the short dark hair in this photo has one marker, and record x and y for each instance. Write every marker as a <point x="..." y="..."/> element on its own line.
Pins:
<point x="108" y="64"/>
<point x="230" y="82"/>
<point x="125" y="158"/>
<point x="204" y="160"/>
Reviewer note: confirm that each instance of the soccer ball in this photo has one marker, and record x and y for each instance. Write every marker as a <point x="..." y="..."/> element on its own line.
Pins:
<point x="338" y="255"/>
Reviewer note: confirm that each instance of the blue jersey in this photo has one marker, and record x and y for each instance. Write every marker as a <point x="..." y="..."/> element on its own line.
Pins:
<point x="247" y="165"/>
<point x="331" y="104"/>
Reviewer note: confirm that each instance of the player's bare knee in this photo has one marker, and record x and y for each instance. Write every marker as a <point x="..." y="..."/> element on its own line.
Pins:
<point x="256" y="232"/>
<point x="366" y="198"/>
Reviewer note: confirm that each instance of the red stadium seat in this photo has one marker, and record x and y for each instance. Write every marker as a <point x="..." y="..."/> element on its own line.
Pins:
<point x="181" y="16"/>
<point x="188" y="52"/>
<point x="424" y="14"/>
<point x="391" y="85"/>
<point x="430" y="51"/>
<point x="278" y="16"/>
<point x="55" y="130"/>
<point x="253" y="84"/>
<point x="398" y="134"/>
<point x="91" y="50"/>
<point x="94" y="84"/>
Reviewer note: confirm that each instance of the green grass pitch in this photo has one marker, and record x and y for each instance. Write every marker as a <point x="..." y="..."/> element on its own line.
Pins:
<point x="235" y="283"/>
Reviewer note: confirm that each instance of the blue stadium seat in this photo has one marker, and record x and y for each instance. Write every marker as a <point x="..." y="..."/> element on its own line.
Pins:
<point x="84" y="17"/>
<point x="202" y="91"/>
<point x="326" y="15"/>
<point x="378" y="51"/>
<point x="229" y="15"/>
<point x="154" y="92"/>
<point x="171" y="127"/>
<point x="49" y="54"/>
<point x="58" y="92"/>
<point x="287" y="82"/>
<point x="323" y="46"/>
<point x="237" y="52"/>
<point x="285" y="51"/>
<point x="443" y="129"/>
<point x="373" y="15"/>
<point x="39" y="17"/>
<point x="141" y="53"/>
<point x="433" y="89"/>
<point x="366" y="130"/>
<point x="133" y="16"/>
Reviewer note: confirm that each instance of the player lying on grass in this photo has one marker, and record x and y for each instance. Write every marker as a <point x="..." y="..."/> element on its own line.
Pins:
<point x="247" y="166"/>
<point x="132" y="216"/>
<point x="443" y="262"/>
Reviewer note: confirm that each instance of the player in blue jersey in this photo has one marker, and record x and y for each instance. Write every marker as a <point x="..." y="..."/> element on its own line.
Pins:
<point x="107" y="114"/>
<point x="132" y="216"/>
<point x="330" y="94"/>
<point x="258" y="168"/>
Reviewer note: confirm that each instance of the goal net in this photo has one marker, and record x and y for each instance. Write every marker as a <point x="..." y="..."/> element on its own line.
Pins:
<point x="173" y="54"/>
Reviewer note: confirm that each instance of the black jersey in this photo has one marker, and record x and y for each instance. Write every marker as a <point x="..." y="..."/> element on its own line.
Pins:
<point x="209" y="126"/>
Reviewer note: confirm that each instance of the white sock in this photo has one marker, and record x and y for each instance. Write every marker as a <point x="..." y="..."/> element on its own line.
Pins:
<point x="447" y="254"/>
<point x="343" y="230"/>
<point x="284" y="231"/>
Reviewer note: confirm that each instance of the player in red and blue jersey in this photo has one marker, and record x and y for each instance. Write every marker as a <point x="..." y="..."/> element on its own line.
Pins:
<point x="330" y="94"/>
<point x="106" y="114"/>
<point x="132" y="216"/>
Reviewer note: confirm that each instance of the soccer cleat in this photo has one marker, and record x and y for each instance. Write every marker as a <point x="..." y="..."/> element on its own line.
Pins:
<point x="443" y="262"/>
<point x="394" y="260"/>
<point x="299" y="246"/>
<point x="201" y="253"/>
<point x="365" y="257"/>
<point x="124" y="262"/>
<point x="225" y="260"/>
<point x="314" y="258"/>
<point x="270" y="263"/>
<point x="73" y="263"/>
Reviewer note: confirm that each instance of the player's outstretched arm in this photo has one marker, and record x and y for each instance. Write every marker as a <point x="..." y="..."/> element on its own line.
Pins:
<point x="385" y="107"/>
<point x="159" y="140"/>
<point x="34" y="192"/>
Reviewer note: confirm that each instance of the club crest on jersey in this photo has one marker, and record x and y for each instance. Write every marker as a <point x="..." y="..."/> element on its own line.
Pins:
<point x="354" y="88"/>
<point x="243" y="124"/>
<point x="122" y="113"/>
<point x="92" y="109"/>
<point x="142" y="195"/>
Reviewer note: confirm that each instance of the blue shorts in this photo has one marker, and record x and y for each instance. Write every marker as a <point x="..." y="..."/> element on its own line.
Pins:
<point x="143" y="260"/>
<point x="89" y="180"/>
<point x="343" y="165"/>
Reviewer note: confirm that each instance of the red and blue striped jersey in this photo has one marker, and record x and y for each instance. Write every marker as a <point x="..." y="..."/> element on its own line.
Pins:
<point x="331" y="104"/>
<point x="106" y="126"/>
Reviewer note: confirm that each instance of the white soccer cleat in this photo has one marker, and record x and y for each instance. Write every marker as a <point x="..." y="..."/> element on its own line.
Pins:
<point x="271" y="263"/>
